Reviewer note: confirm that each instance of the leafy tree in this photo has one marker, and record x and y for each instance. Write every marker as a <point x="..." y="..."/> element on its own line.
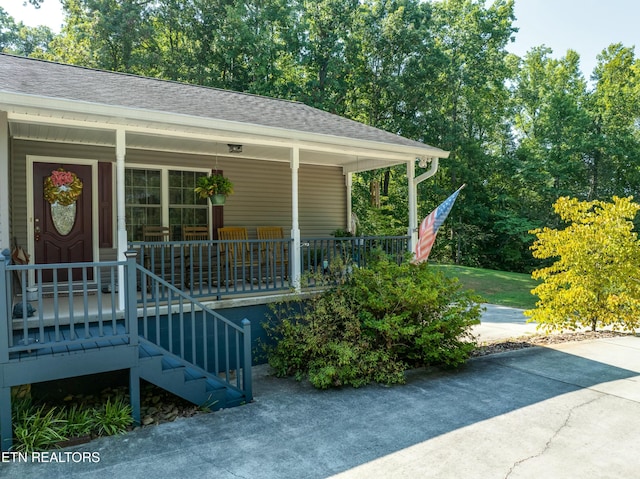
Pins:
<point x="464" y="112"/>
<point x="8" y="31"/>
<point x="595" y="280"/>
<point x="326" y="29"/>
<point x="114" y="35"/>
<point x="613" y="151"/>
<point x="19" y="39"/>
<point x="552" y="126"/>
<point x="522" y="132"/>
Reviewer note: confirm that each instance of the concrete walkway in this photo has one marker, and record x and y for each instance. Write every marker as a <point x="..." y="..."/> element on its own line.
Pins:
<point x="567" y="411"/>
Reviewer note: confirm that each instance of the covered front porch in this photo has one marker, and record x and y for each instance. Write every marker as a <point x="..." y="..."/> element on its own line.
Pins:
<point x="138" y="146"/>
<point x="96" y="294"/>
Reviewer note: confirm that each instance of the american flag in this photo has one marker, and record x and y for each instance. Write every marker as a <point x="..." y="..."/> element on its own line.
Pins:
<point x="429" y="227"/>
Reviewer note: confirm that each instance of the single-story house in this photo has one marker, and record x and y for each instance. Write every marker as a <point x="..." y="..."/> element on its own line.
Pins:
<point x="89" y="158"/>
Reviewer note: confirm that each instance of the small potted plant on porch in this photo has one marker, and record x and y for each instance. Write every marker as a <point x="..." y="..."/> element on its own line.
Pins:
<point x="215" y="187"/>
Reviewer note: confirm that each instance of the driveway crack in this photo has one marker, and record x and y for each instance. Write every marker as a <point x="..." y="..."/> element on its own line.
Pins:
<point x="552" y="438"/>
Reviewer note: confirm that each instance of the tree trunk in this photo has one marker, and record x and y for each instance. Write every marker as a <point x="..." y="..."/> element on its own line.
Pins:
<point x="385" y="183"/>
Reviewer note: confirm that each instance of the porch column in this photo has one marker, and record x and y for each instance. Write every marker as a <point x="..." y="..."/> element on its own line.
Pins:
<point x="413" y="205"/>
<point x="413" y="194"/>
<point x="121" y="148"/>
<point x="5" y="241"/>
<point x="349" y="184"/>
<point x="295" y="225"/>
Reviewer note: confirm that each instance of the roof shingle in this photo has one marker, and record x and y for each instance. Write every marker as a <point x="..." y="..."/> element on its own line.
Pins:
<point x="66" y="82"/>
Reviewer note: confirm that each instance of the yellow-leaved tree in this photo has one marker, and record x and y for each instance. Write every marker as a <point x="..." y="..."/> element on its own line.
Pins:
<point x="595" y="280"/>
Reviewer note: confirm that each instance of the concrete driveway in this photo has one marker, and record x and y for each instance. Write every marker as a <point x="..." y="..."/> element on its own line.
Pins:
<point x="567" y="411"/>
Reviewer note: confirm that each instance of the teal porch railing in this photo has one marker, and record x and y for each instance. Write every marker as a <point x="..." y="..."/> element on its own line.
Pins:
<point x="218" y="269"/>
<point x="63" y="320"/>
<point x="318" y="253"/>
<point x="192" y="331"/>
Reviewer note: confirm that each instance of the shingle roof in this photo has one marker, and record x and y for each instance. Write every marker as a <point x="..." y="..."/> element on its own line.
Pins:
<point x="54" y="80"/>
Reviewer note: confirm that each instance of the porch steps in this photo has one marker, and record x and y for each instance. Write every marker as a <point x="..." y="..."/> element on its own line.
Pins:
<point x="178" y="376"/>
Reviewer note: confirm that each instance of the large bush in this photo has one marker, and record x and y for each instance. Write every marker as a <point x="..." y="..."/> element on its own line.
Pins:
<point x="595" y="279"/>
<point x="374" y="325"/>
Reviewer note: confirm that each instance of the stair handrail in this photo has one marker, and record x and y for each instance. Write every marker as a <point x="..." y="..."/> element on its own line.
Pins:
<point x="136" y="268"/>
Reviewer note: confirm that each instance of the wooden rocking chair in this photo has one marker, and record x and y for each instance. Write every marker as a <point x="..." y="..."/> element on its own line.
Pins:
<point x="273" y="254"/>
<point x="235" y="254"/>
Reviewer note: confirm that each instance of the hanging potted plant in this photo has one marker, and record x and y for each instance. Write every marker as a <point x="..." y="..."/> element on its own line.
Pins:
<point x="215" y="187"/>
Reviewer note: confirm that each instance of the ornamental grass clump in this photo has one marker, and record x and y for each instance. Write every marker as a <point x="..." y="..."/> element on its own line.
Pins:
<point x="373" y="326"/>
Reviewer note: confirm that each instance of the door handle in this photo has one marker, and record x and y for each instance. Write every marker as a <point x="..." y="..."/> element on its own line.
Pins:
<point x="36" y="230"/>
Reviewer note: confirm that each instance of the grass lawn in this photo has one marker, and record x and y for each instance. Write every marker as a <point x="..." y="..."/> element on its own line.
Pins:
<point x="496" y="287"/>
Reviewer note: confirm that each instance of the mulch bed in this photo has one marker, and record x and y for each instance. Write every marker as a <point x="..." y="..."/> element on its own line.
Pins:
<point x="501" y="346"/>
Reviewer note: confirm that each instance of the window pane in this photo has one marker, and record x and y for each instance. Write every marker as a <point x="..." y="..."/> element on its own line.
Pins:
<point x="175" y="196"/>
<point x="142" y="201"/>
<point x="186" y="208"/>
<point x="175" y="179"/>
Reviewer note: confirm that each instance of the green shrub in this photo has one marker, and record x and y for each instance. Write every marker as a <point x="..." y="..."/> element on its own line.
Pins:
<point x="79" y="421"/>
<point x="36" y="428"/>
<point x="43" y="426"/>
<point x="373" y="325"/>
<point x="114" y="417"/>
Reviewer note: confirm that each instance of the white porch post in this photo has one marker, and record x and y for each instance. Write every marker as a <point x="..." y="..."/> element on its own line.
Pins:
<point x="295" y="225"/>
<point x="413" y="195"/>
<point x="413" y="205"/>
<point x="349" y="183"/>
<point x="5" y="241"/>
<point x="121" y="148"/>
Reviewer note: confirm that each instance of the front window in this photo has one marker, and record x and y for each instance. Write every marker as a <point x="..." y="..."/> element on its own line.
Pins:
<point x="143" y="195"/>
<point x="163" y="197"/>
<point x="186" y="208"/>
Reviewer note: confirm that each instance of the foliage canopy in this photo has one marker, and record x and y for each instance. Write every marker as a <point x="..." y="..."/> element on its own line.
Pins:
<point x="595" y="278"/>
<point x="522" y="132"/>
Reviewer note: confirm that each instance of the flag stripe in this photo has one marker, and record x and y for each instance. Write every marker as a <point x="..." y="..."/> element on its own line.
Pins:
<point x="430" y="225"/>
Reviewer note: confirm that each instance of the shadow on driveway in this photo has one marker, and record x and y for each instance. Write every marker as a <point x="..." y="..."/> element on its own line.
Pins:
<point x="294" y="431"/>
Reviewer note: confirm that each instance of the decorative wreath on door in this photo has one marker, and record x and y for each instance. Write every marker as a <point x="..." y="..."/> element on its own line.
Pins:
<point x="62" y="187"/>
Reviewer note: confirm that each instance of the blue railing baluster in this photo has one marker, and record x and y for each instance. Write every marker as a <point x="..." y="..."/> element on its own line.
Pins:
<point x="85" y="301"/>
<point x="226" y="352"/>
<point x="72" y="332"/>
<point x="193" y="336"/>
<point x="6" y="331"/>
<point x="181" y="332"/>
<point x="237" y="364"/>
<point x="216" y="359"/>
<point x="40" y="307"/>
<point x="203" y="350"/>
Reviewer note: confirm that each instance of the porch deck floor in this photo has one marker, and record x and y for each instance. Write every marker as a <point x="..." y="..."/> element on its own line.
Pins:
<point x="64" y="341"/>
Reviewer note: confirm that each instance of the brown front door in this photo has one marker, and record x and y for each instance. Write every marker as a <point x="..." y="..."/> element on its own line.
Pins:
<point x="67" y="239"/>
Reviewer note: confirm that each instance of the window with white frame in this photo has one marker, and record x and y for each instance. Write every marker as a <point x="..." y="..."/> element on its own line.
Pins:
<point x="157" y="197"/>
<point x="186" y="208"/>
